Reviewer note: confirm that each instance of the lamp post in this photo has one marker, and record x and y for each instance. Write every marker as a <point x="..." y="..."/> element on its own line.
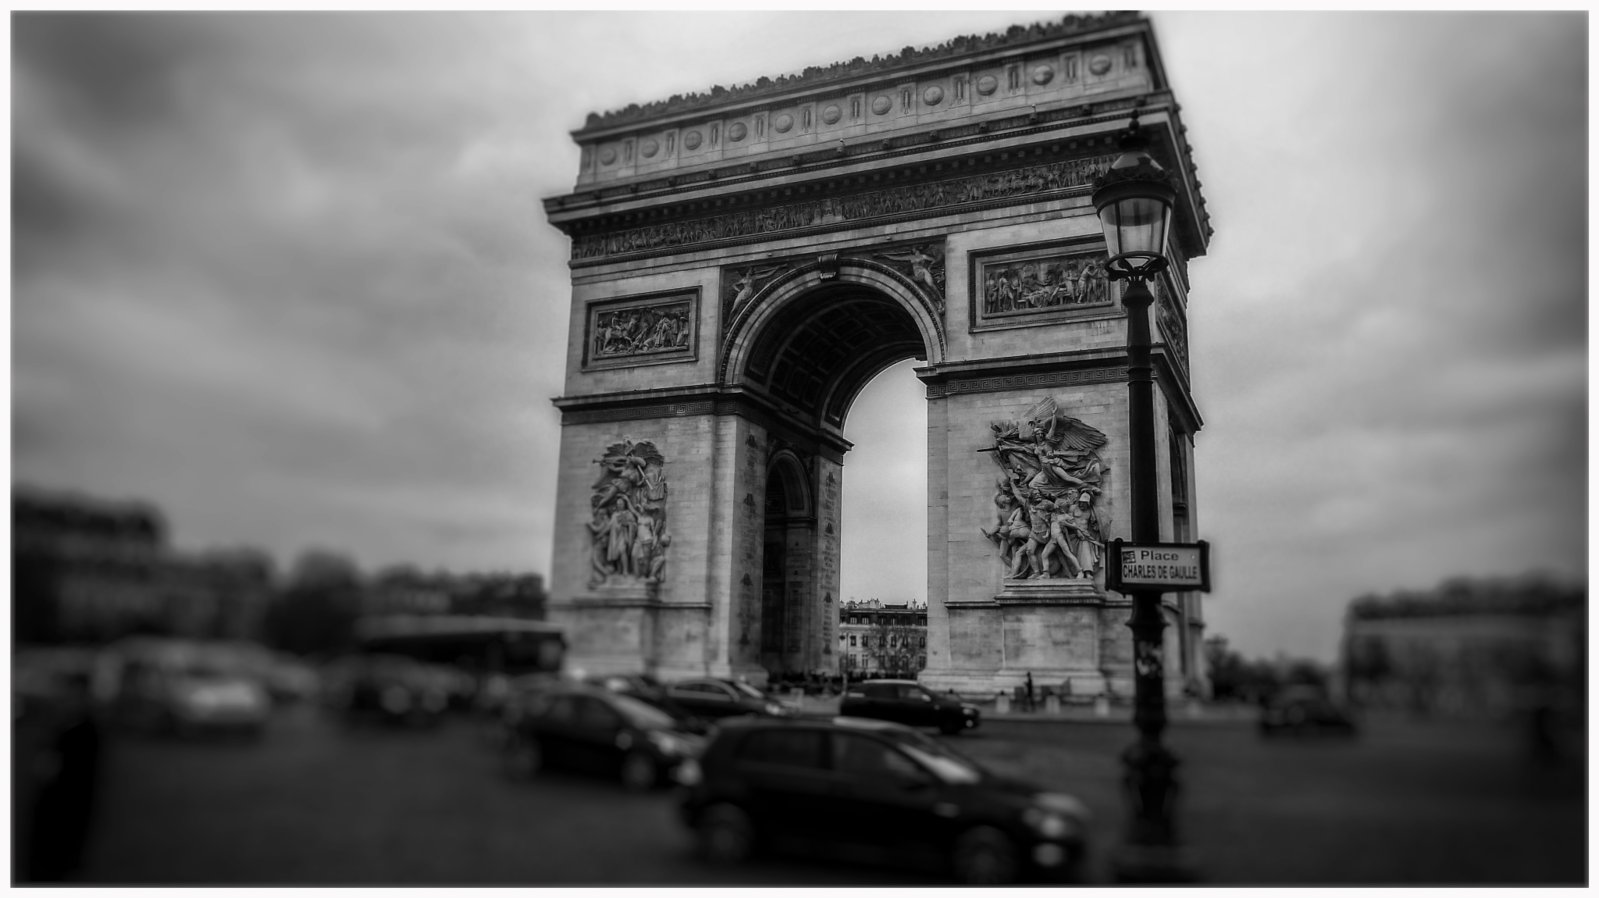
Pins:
<point x="1134" y="200"/>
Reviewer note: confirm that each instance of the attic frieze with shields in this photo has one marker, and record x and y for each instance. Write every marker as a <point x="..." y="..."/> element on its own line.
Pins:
<point x="1077" y="58"/>
<point x="968" y="128"/>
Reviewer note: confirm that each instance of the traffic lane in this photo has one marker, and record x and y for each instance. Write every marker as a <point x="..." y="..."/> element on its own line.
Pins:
<point x="318" y="803"/>
<point x="323" y="804"/>
<point x="1408" y="801"/>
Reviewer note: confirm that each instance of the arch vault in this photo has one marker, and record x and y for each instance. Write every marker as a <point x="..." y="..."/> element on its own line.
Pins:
<point x="744" y="263"/>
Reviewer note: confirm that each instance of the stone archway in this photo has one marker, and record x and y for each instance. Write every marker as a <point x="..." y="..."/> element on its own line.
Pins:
<point x="823" y="332"/>
<point x="744" y="262"/>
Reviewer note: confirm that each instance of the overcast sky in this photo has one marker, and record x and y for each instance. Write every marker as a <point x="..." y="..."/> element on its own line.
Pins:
<point x="288" y="277"/>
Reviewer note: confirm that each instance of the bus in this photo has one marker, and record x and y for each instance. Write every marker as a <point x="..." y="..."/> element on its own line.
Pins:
<point x="478" y="645"/>
<point x="488" y="659"/>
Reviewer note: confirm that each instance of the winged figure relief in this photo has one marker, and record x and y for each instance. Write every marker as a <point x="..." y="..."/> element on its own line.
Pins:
<point x="748" y="283"/>
<point x="926" y="267"/>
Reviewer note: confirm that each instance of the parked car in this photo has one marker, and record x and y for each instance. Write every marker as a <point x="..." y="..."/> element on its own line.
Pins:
<point x="715" y="698"/>
<point x="649" y="690"/>
<point x="587" y="729"/>
<point x="391" y="689"/>
<point x="181" y="687"/>
<point x="910" y="703"/>
<point x="857" y="788"/>
<point x="1303" y="710"/>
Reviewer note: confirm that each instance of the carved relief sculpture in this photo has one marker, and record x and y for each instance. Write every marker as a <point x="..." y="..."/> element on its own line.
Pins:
<point x="748" y="282"/>
<point x="922" y="265"/>
<point x="1044" y="283"/>
<point x="849" y="209"/>
<point x="925" y="265"/>
<point x="641" y="330"/>
<point x="1048" y="525"/>
<point x="1171" y="320"/>
<point x="628" y="525"/>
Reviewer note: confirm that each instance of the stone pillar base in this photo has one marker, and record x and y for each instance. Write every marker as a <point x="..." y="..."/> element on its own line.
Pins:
<point x="619" y="591"/>
<point x="1074" y="591"/>
<point x="610" y="629"/>
<point x="1052" y="629"/>
<point x="1073" y="686"/>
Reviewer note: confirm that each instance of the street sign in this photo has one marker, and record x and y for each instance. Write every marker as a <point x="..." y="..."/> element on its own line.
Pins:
<point x="1165" y="567"/>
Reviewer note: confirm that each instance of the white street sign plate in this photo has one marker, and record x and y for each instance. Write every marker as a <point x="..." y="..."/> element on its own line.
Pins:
<point x="1175" y="567"/>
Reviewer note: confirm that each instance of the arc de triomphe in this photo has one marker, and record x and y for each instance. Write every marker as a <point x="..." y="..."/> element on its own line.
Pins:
<point x="745" y="261"/>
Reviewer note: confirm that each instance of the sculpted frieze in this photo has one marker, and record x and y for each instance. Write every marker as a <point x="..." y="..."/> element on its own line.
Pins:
<point x="1048" y="525"/>
<point x="627" y="532"/>
<point x="1043" y="283"/>
<point x="641" y="330"/>
<point x="847" y="210"/>
<point x="1173" y="323"/>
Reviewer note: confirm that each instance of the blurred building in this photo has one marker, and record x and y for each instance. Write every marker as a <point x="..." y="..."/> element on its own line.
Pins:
<point x="91" y="570"/>
<point x="407" y="591"/>
<point x="877" y="638"/>
<point x="1478" y="647"/>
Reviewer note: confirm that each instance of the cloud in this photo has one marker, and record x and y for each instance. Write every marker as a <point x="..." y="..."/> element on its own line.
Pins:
<point x="289" y="276"/>
<point x="257" y="249"/>
<point x="1389" y="338"/>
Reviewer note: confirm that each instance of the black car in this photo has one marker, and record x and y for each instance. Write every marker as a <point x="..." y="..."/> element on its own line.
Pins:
<point x="715" y="698"/>
<point x="910" y="703"/>
<point x="648" y="690"/>
<point x="1305" y="711"/>
<point x="591" y="730"/>
<point x="871" y="790"/>
<point x="391" y="689"/>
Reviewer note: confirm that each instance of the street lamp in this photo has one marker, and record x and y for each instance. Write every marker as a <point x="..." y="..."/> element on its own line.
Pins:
<point x="1134" y="200"/>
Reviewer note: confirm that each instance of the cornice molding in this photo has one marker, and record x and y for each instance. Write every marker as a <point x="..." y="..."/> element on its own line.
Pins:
<point x="722" y="180"/>
<point x="686" y="402"/>
<point x="1060" y="370"/>
<point x="1036" y="380"/>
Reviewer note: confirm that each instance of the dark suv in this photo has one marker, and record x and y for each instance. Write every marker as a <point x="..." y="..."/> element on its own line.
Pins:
<point x="910" y="703"/>
<point x="868" y="790"/>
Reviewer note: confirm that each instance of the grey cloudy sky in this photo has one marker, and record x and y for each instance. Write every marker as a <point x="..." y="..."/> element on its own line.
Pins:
<point x="288" y="276"/>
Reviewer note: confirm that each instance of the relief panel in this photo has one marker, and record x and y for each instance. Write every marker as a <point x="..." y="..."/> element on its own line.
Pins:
<point x="641" y="330"/>
<point x="627" y="532"/>
<point x="1021" y="288"/>
<point x="1171" y="321"/>
<point x="1048" y="522"/>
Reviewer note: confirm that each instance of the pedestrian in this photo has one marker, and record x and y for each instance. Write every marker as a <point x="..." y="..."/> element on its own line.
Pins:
<point x="1029" y="690"/>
